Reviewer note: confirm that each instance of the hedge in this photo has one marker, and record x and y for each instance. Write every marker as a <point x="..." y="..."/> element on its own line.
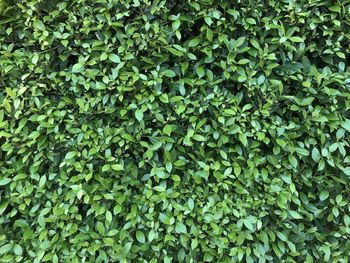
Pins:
<point x="174" y="131"/>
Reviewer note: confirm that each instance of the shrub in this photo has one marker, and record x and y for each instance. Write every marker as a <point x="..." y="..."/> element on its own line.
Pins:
<point x="175" y="131"/>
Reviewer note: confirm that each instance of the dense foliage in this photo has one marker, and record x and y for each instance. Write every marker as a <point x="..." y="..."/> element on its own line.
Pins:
<point x="174" y="131"/>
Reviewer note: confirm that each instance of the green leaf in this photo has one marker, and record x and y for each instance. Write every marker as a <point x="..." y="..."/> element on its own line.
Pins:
<point x="139" y="115"/>
<point x="281" y="142"/>
<point x="191" y="56"/>
<point x="347" y="171"/>
<point x="333" y="147"/>
<point x="169" y="73"/>
<point x="194" y="42"/>
<point x="324" y="195"/>
<point x="117" y="167"/>
<point x="5" y="181"/>
<point x="35" y="59"/>
<point x="296" y="39"/>
<point x="335" y="8"/>
<point x="295" y="214"/>
<point x="5" y="248"/>
<point x="242" y="78"/>
<point x="293" y="161"/>
<point x="190" y="203"/>
<point x="106" y="167"/>
<point x="209" y="34"/>
<point x="315" y="154"/>
<point x="70" y="155"/>
<point x="198" y="137"/>
<point x="251" y="21"/>
<point x="18" y="250"/>
<point x="194" y="243"/>
<point x="39" y="25"/>
<point x="341" y="55"/>
<point x="200" y="72"/>
<point x="109" y="216"/>
<point x="282" y="236"/>
<point x="283" y="39"/>
<point x="248" y="224"/>
<point x="208" y="20"/>
<point x="255" y="43"/>
<point x="346" y="124"/>
<point x="180" y="228"/>
<point x="114" y="58"/>
<point x="128" y="137"/>
<point x="103" y="56"/>
<point x="243" y="139"/>
<point x="167" y="129"/>
<point x="42" y="181"/>
<point x="176" y="24"/>
<point x="140" y="236"/>
<point x="77" y="68"/>
<point x="237" y="170"/>
<point x="304" y="101"/>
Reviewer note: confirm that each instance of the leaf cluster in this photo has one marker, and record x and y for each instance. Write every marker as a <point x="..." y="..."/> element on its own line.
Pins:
<point x="175" y="131"/>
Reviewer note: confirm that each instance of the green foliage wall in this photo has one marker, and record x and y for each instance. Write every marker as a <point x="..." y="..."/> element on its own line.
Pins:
<point x="175" y="131"/>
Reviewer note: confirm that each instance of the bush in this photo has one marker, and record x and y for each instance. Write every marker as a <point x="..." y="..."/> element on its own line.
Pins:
<point x="175" y="131"/>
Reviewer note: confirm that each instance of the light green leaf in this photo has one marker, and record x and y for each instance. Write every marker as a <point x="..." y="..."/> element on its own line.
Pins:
<point x="114" y="58"/>
<point x="180" y="228"/>
<point x="169" y="73"/>
<point x="200" y="72"/>
<point x="18" y="250"/>
<point x="5" y="248"/>
<point x="70" y="155"/>
<point x="139" y="115"/>
<point x="117" y="167"/>
<point x="243" y="139"/>
<point x="39" y="25"/>
<point x="293" y="160"/>
<point x="295" y="214"/>
<point x="5" y="181"/>
<point x="248" y="224"/>
<point x="296" y="39"/>
<point x="77" y="68"/>
<point x="346" y="124"/>
<point x="176" y="24"/>
<point x="324" y="195"/>
<point x="194" y="42"/>
<point x="251" y="21"/>
<point x="315" y="154"/>
<point x="199" y="138"/>
<point x="140" y="236"/>
<point x="190" y="203"/>
<point x="167" y="129"/>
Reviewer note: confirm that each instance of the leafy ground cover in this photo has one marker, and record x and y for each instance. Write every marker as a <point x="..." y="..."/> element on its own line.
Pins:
<point x="174" y="131"/>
